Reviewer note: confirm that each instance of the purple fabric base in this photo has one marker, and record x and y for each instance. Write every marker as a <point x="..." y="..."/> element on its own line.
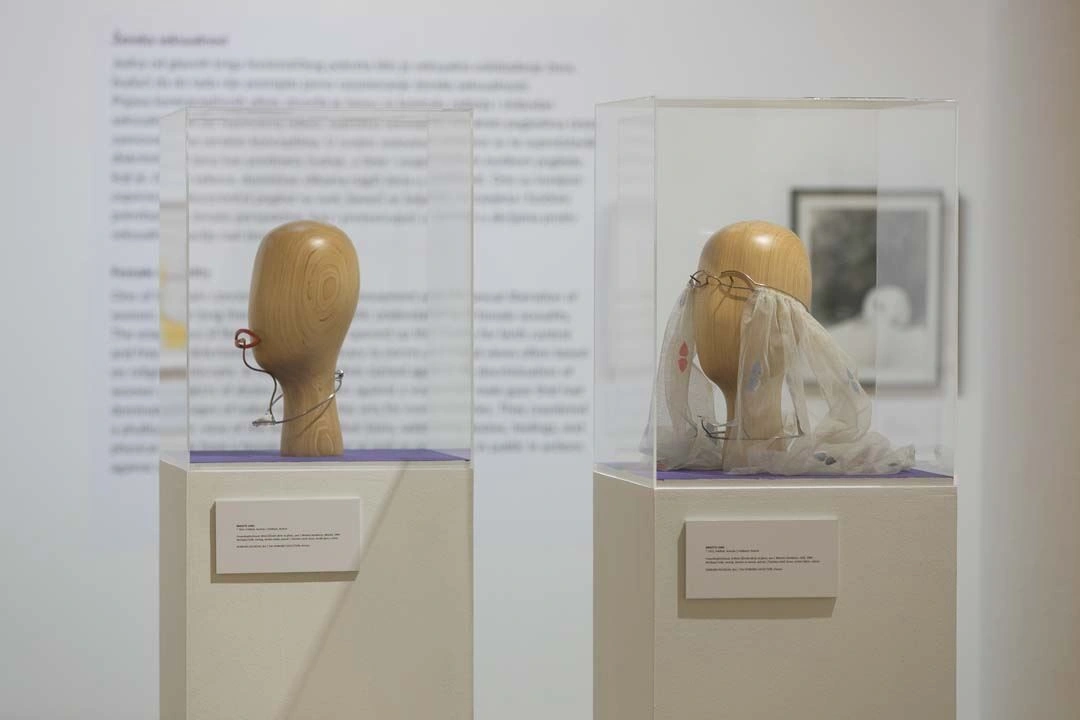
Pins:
<point x="377" y="455"/>
<point x="721" y="475"/>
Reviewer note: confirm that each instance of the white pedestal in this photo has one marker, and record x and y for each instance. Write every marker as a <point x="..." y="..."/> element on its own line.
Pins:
<point x="392" y="641"/>
<point x="884" y="648"/>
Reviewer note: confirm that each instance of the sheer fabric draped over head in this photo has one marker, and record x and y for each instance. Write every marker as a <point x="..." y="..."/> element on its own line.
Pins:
<point x="779" y="339"/>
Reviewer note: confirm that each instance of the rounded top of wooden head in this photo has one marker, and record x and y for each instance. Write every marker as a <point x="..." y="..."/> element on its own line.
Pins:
<point x="304" y="290"/>
<point x="769" y="254"/>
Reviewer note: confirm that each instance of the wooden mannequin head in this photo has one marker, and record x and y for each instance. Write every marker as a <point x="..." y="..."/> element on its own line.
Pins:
<point x="304" y="290"/>
<point x="770" y="254"/>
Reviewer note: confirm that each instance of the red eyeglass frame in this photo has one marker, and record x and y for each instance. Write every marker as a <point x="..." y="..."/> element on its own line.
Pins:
<point x="246" y="344"/>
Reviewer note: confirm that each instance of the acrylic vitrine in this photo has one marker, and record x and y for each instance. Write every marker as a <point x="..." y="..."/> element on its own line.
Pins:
<point x="863" y="343"/>
<point x="398" y="183"/>
<point x="301" y="640"/>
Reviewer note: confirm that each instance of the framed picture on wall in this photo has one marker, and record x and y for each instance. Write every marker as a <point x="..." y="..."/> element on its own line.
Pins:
<point x="876" y="260"/>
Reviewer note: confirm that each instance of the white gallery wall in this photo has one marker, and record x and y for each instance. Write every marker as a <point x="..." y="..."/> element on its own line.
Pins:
<point x="78" y="610"/>
<point x="1029" y="537"/>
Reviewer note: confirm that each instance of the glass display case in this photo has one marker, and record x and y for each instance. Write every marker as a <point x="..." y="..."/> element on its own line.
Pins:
<point x="775" y="402"/>
<point x="398" y="185"/>
<point x="315" y="484"/>
<point x="869" y="186"/>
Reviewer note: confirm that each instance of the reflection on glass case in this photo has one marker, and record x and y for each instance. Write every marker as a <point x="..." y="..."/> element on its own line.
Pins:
<point x="316" y="285"/>
<point x="775" y="288"/>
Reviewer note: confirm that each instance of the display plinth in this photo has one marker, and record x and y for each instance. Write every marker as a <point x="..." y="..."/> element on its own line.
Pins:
<point x="883" y="648"/>
<point x="392" y="640"/>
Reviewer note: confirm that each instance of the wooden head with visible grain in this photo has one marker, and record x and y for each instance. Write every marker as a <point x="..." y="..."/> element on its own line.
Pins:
<point x="768" y="253"/>
<point x="304" y="290"/>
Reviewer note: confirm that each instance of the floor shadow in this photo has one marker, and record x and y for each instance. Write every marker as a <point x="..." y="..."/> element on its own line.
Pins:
<point x="399" y="643"/>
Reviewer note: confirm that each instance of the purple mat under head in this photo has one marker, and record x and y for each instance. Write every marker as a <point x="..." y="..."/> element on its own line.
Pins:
<point x="375" y="455"/>
<point x="721" y="475"/>
<point x="911" y="474"/>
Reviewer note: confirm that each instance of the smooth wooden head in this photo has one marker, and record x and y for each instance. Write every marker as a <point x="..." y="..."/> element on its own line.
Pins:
<point x="768" y="253"/>
<point x="304" y="290"/>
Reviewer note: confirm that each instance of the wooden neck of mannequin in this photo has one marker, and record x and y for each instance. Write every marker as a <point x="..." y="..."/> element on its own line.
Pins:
<point x="318" y="433"/>
<point x="761" y="420"/>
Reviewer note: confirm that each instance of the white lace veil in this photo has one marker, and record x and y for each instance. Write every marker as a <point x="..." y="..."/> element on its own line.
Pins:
<point x="776" y="331"/>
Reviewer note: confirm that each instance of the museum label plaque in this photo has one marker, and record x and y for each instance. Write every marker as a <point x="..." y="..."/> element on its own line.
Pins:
<point x="761" y="558"/>
<point x="288" y="535"/>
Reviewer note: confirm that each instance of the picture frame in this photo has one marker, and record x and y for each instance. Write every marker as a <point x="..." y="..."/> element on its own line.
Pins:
<point x="876" y="259"/>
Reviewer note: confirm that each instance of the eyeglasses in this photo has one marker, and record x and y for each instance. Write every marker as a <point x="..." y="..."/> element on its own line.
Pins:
<point x="731" y="282"/>
<point x="246" y="339"/>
